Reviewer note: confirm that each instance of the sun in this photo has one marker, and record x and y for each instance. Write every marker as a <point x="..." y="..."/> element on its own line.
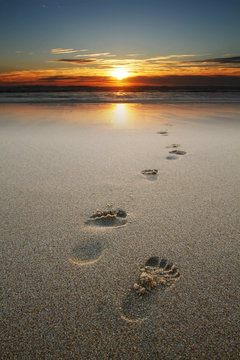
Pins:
<point x="120" y="73"/>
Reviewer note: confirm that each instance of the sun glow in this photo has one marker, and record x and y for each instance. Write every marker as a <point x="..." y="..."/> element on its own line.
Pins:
<point x="120" y="73"/>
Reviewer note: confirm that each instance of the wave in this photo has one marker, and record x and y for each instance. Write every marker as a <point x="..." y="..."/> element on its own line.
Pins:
<point x="196" y="95"/>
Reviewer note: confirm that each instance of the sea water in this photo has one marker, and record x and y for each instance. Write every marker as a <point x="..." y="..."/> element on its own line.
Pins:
<point x="122" y="96"/>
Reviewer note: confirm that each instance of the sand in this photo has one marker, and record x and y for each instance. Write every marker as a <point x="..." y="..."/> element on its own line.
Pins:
<point x="67" y="283"/>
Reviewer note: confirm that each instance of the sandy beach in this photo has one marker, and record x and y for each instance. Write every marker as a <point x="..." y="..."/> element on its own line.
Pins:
<point x="68" y="277"/>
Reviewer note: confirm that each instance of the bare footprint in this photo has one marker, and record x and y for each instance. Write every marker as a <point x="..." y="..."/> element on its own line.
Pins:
<point x="87" y="252"/>
<point x="171" y="157"/>
<point x="173" y="146"/>
<point x="165" y="133"/>
<point x="108" y="218"/>
<point x="150" y="172"/>
<point x="177" y="152"/>
<point x="156" y="276"/>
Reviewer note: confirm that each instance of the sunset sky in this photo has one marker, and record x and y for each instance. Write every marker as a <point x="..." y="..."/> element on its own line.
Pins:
<point x="120" y="42"/>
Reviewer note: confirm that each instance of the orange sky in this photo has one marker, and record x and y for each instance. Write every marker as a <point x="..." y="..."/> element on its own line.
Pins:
<point x="103" y="70"/>
<point x="155" y="42"/>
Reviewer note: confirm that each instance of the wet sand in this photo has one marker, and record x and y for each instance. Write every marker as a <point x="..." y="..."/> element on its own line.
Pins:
<point x="68" y="277"/>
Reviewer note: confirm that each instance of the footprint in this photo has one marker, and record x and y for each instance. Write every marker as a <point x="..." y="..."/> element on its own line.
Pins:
<point x="165" y="133"/>
<point x="172" y="146"/>
<point x="88" y="252"/>
<point x="150" y="172"/>
<point x="156" y="276"/>
<point x="171" y="157"/>
<point x="177" y="152"/>
<point x="108" y="218"/>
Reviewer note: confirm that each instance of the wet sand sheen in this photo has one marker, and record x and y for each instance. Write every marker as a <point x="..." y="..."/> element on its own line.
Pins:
<point x="68" y="284"/>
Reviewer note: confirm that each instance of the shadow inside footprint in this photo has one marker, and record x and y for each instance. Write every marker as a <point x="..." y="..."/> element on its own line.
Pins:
<point x="88" y="252"/>
<point x="164" y="133"/>
<point x="155" y="277"/>
<point x="173" y="146"/>
<point x="171" y="157"/>
<point x="177" y="152"/>
<point x="110" y="218"/>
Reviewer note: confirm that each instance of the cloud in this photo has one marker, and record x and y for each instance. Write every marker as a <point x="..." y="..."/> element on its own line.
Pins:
<point x="169" y="70"/>
<point x="57" y="78"/>
<point x="174" y="56"/>
<point x="96" y="54"/>
<point x="187" y="80"/>
<point x="223" y="60"/>
<point x="79" y="80"/>
<point x="76" y="61"/>
<point x="82" y="76"/>
<point x="133" y="54"/>
<point x="63" y="51"/>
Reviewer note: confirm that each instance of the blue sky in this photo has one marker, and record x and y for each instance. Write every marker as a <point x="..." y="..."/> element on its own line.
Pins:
<point x="139" y="29"/>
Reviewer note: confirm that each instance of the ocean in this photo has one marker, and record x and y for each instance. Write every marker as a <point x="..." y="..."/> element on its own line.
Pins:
<point x="122" y="96"/>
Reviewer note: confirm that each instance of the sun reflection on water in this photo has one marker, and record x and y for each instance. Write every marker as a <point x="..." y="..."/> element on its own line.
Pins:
<point x="120" y="114"/>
